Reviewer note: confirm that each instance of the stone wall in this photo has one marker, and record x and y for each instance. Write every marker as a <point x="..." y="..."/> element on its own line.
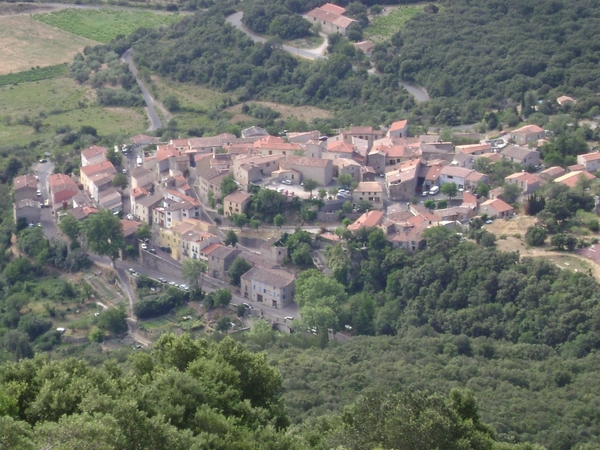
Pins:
<point x="155" y="262"/>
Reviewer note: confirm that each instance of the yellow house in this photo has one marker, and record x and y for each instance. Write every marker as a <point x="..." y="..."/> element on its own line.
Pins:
<point x="172" y="237"/>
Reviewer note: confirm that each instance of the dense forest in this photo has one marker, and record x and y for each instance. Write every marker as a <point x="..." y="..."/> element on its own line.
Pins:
<point x="187" y="394"/>
<point x="472" y="56"/>
<point x="478" y="54"/>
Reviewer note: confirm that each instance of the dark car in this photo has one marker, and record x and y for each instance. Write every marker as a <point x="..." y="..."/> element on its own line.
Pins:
<point x="165" y="249"/>
<point x="152" y="251"/>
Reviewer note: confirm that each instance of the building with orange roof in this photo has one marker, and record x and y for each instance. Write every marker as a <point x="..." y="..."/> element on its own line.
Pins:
<point x="331" y="20"/>
<point x="346" y="166"/>
<point x="398" y="129"/>
<point x="496" y="208"/>
<point x="86" y="173"/>
<point x="565" y="100"/>
<point x="367" y="220"/>
<point x="526" y="181"/>
<point x="62" y="188"/>
<point x="552" y="172"/>
<point x="474" y="149"/>
<point x="338" y="149"/>
<point x="572" y="178"/>
<point x="590" y="161"/>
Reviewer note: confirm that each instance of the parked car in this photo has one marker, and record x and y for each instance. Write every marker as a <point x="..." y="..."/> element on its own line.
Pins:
<point x="165" y="249"/>
<point x="144" y="247"/>
<point x="172" y="283"/>
<point x="39" y="193"/>
<point x="162" y="280"/>
<point x="425" y="193"/>
<point x="43" y="160"/>
<point x="130" y="217"/>
<point x="288" y="182"/>
<point x="434" y="190"/>
<point x="152" y="251"/>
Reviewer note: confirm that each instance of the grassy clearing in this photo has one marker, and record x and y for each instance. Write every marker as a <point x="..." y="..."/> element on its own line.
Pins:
<point x="26" y="43"/>
<point x="104" y="24"/>
<point x="307" y="113"/>
<point x="59" y="101"/>
<point x="384" y="26"/>
<point x="312" y="41"/>
<point x="28" y="76"/>
<point x="158" y="323"/>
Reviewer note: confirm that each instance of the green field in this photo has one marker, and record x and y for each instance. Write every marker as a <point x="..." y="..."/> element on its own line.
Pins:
<point x="384" y="26"/>
<point x="59" y="101"/>
<point x="102" y="25"/>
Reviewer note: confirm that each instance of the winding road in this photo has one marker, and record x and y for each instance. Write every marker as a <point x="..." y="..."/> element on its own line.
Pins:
<point x="420" y="94"/>
<point x="312" y="53"/>
<point x="155" y="122"/>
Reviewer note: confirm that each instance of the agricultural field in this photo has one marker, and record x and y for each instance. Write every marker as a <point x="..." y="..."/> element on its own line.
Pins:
<point x="59" y="101"/>
<point x="27" y="76"/>
<point x="382" y="27"/>
<point x="103" y="25"/>
<point x="26" y="43"/>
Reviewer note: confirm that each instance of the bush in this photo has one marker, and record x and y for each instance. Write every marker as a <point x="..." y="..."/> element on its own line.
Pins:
<point x="535" y="236"/>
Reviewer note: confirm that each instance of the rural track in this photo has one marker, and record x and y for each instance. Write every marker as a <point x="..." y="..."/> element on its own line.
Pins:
<point x="235" y="19"/>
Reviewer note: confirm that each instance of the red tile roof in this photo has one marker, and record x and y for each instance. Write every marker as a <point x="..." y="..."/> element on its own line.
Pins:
<point x="399" y="125"/>
<point x="330" y="7"/>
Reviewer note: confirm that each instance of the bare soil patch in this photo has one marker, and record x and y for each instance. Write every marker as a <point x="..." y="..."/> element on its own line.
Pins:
<point x="27" y="43"/>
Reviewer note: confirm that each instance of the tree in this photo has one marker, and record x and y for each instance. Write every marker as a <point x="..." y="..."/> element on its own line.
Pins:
<point x="535" y="236"/>
<point x="223" y="324"/>
<point x="442" y="204"/>
<point x="70" y="226"/>
<point x="322" y="193"/>
<point x="221" y="297"/>
<point x="114" y="157"/>
<point x="310" y="185"/>
<point x="113" y="320"/>
<point x="144" y="232"/>
<point x="104" y="234"/>
<point x="345" y="180"/>
<point x="429" y="204"/>
<point x="363" y="205"/>
<point x="239" y="220"/>
<point x="228" y="186"/>
<point x="254" y="223"/>
<point x="120" y="180"/>
<point x="347" y="207"/>
<point x="192" y="271"/>
<point x="449" y="189"/>
<point x="231" y="238"/>
<point x="278" y="221"/>
<point x="238" y="267"/>
<point x="482" y="190"/>
<point x="510" y="192"/>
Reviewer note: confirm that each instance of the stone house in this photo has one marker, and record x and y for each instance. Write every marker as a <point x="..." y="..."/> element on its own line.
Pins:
<point x="522" y="155"/>
<point x="527" y="134"/>
<point x="220" y="260"/>
<point x="236" y="203"/>
<point x="62" y="188"/>
<point x="27" y="209"/>
<point x="25" y="187"/>
<point x="272" y="287"/>
<point x="370" y="191"/>
<point x="320" y="170"/>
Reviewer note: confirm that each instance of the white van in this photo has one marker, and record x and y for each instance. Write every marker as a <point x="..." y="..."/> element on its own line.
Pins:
<point x="139" y="161"/>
